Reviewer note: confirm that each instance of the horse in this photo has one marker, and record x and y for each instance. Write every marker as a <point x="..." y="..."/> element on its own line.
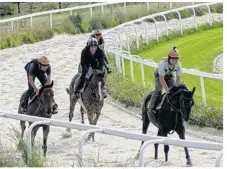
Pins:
<point x="173" y="109"/>
<point x="91" y="98"/>
<point x="40" y="106"/>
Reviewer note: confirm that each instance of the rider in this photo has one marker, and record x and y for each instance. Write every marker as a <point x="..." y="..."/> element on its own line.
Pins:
<point x="97" y="34"/>
<point x="41" y="69"/>
<point x="92" y="56"/>
<point x="164" y="75"/>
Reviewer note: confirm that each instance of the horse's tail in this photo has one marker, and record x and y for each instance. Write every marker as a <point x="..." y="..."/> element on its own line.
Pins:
<point x="146" y="100"/>
<point x="67" y="90"/>
<point x="145" y="117"/>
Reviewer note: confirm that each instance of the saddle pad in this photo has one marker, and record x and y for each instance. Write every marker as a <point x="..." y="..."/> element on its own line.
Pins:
<point x="160" y="103"/>
<point x="31" y="98"/>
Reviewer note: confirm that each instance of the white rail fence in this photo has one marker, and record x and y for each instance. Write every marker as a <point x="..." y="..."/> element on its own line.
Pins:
<point x="89" y="7"/>
<point x="130" y="135"/>
<point x="114" y="45"/>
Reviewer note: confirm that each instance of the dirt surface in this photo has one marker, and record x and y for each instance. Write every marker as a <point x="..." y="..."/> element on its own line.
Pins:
<point x="64" y="53"/>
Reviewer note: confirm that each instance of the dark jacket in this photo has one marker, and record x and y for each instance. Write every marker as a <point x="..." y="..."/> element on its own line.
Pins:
<point x="96" y="61"/>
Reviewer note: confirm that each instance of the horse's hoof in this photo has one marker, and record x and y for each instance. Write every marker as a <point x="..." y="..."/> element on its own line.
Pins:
<point x="189" y="164"/>
<point x="137" y="156"/>
<point x="67" y="133"/>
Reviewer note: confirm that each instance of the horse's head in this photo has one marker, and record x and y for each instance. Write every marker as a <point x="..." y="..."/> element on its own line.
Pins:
<point x="46" y="99"/>
<point x="182" y="98"/>
<point x="97" y="76"/>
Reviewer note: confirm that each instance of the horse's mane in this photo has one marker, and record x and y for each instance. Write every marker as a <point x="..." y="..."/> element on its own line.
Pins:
<point x="176" y="87"/>
<point x="44" y="87"/>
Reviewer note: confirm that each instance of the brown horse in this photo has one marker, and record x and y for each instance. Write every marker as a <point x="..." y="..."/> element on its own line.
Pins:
<point x="40" y="106"/>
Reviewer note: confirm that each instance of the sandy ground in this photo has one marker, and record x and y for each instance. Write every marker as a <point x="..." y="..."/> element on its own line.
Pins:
<point x="64" y="53"/>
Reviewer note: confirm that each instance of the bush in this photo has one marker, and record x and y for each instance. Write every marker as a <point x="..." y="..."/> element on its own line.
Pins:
<point x="25" y="37"/>
<point x="77" y="22"/>
<point x="6" y="9"/>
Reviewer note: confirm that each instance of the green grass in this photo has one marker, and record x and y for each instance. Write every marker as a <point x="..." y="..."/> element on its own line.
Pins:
<point x="198" y="52"/>
<point x="202" y="50"/>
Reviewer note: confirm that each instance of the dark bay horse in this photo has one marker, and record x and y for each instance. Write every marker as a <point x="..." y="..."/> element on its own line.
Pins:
<point x="40" y="106"/>
<point x="91" y="99"/>
<point x="175" y="109"/>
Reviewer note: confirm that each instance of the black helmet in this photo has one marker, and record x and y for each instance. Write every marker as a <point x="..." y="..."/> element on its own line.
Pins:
<point x="92" y="41"/>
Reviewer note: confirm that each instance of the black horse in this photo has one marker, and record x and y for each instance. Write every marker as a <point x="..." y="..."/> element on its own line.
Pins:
<point x="170" y="116"/>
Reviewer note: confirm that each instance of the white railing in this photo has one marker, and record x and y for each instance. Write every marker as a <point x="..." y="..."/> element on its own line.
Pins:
<point x="114" y="132"/>
<point x="90" y="7"/>
<point x="111" y="45"/>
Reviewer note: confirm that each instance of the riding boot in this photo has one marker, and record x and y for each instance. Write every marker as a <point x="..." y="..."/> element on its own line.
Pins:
<point x="24" y="103"/>
<point x="55" y="108"/>
<point x="154" y="99"/>
<point x="77" y="89"/>
<point x="107" y="67"/>
<point x="104" y="89"/>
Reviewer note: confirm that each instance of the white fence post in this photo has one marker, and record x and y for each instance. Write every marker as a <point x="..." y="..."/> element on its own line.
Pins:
<point x="90" y="12"/>
<point x="141" y="153"/>
<point x="148" y="6"/>
<point x="181" y="29"/>
<point x="142" y="74"/>
<point x="194" y="15"/>
<point x="170" y="5"/>
<point x="31" y="21"/>
<point x="71" y="13"/>
<point x="81" y="143"/>
<point x="132" y="71"/>
<point x="102" y="10"/>
<point x="156" y="30"/>
<point x="12" y="26"/>
<point x="218" y="159"/>
<point x="50" y="20"/>
<point x="208" y="7"/>
<point x="29" y="136"/>
<point x="203" y="94"/>
<point x="123" y="66"/>
<point x="124" y="7"/>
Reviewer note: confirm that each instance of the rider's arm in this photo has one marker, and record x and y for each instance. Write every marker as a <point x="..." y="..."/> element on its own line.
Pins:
<point x="83" y="61"/>
<point x="178" y="80"/>
<point x="161" y="72"/>
<point x="101" y="60"/>
<point x="163" y="83"/>
<point x="49" y="75"/>
<point x="31" y="75"/>
<point x="178" y="73"/>
<point x="101" y="43"/>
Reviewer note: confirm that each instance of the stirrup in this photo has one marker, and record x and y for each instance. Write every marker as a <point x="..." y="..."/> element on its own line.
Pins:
<point x="75" y="95"/>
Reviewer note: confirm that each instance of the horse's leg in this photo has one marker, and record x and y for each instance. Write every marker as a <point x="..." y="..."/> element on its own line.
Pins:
<point x="166" y="147"/>
<point x="46" y="130"/>
<point x="71" y="110"/>
<point x="82" y="114"/>
<point x="181" y="132"/>
<point x="34" y="131"/>
<point x="90" y="116"/>
<point x="146" y="123"/>
<point x="23" y="127"/>
<point x="156" y="146"/>
<point x="94" y="123"/>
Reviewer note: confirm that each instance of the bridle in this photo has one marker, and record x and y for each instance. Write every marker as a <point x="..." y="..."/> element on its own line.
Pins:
<point x="181" y="103"/>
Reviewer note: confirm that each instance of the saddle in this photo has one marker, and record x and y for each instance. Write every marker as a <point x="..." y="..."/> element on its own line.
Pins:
<point x="32" y="98"/>
<point x="159" y="103"/>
